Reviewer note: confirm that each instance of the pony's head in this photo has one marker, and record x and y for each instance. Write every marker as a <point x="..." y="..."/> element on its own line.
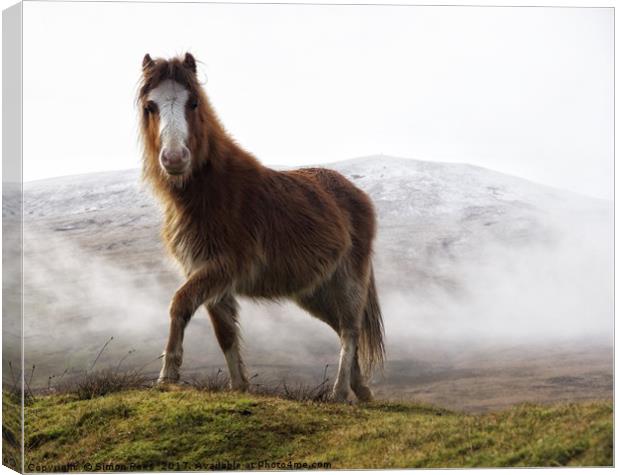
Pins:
<point x="174" y="117"/>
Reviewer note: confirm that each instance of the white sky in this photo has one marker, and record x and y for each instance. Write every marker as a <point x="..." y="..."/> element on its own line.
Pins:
<point x="525" y="91"/>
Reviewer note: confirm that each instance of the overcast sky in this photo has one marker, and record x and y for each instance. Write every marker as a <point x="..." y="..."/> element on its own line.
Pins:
<point x="525" y="91"/>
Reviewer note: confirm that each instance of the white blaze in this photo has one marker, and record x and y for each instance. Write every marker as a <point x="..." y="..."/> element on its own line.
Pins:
<point x="171" y="98"/>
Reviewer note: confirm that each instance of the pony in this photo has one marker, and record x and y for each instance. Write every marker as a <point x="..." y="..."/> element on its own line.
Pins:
<point x="239" y="228"/>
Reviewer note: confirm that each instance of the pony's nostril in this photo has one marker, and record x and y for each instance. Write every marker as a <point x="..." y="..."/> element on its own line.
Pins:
<point x="175" y="160"/>
<point x="174" y="157"/>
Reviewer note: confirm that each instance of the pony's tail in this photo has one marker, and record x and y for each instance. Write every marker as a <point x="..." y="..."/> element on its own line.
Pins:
<point x="371" y="346"/>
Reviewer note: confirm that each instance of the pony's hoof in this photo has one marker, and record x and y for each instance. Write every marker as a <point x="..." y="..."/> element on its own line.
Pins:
<point x="339" y="396"/>
<point x="242" y="386"/>
<point x="162" y="382"/>
<point x="364" y="394"/>
<point x="169" y="377"/>
<point x="170" y="371"/>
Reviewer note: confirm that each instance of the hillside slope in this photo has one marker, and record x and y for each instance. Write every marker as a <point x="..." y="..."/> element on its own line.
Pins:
<point x="193" y="430"/>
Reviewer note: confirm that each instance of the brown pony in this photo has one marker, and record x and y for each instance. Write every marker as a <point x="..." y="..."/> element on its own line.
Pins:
<point x="240" y="228"/>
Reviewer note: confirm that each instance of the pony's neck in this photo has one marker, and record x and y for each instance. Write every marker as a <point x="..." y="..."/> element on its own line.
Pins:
<point x="219" y="163"/>
<point x="217" y="148"/>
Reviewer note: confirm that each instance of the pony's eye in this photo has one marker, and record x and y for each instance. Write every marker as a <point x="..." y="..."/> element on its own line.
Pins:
<point x="193" y="104"/>
<point x="150" y="107"/>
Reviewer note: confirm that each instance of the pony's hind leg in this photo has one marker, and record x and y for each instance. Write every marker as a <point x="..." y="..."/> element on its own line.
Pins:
<point x="350" y="298"/>
<point x="348" y="342"/>
<point x="359" y="383"/>
<point x="339" y="303"/>
<point x="224" y="318"/>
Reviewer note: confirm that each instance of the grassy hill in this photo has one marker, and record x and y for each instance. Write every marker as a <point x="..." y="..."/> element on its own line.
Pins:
<point x="188" y="429"/>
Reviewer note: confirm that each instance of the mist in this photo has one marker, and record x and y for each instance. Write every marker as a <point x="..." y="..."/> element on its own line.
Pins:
<point x="533" y="293"/>
<point x="445" y="290"/>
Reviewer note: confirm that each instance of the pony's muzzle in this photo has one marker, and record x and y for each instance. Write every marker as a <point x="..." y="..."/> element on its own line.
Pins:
<point x="175" y="160"/>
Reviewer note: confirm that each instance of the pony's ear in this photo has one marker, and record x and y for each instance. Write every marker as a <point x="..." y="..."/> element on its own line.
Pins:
<point x="189" y="62"/>
<point x="147" y="62"/>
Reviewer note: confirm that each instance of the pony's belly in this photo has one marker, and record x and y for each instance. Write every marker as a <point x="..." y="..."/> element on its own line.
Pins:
<point x="280" y="282"/>
<point x="269" y="289"/>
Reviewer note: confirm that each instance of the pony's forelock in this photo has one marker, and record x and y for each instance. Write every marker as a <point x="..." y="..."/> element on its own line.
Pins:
<point x="161" y="69"/>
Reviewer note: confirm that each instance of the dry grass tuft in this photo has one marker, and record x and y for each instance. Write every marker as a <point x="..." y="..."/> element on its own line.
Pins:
<point x="212" y="382"/>
<point x="101" y="383"/>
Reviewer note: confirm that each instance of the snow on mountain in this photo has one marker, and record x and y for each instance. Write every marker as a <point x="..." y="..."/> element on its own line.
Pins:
<point x="424" y="208"/>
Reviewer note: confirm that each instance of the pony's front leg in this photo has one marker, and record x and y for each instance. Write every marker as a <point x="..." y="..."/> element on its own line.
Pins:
<point x="205" y="285"/>
<point x="173" y="354"/>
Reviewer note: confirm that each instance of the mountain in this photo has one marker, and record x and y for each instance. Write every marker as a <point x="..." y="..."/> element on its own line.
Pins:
<point x="427" y="211"/>
<point x="462" y="254"/>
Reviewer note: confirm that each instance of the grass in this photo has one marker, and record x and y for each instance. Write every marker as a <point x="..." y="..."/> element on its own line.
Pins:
<point x="11" y="428"/>
<point x="190" y="429"/>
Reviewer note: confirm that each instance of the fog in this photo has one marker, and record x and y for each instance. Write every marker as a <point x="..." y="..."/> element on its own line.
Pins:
<point x="539" y="293"/>
<point x="490" y="295"/>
